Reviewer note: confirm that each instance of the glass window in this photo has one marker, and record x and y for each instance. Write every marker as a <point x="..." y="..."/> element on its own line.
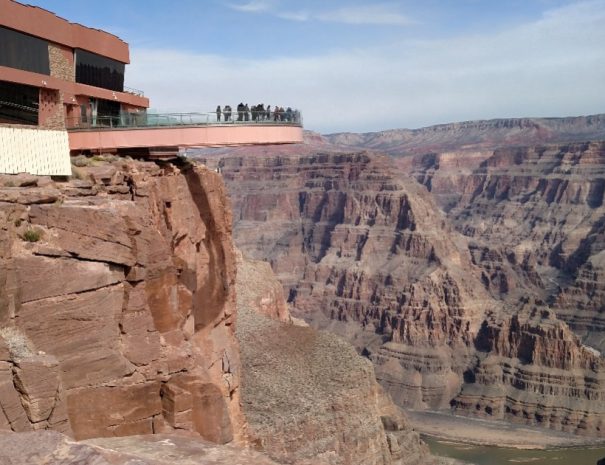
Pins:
<point x="99" y="71"/>
<point x="18" y="103"/>
<point x="22" y="51"/>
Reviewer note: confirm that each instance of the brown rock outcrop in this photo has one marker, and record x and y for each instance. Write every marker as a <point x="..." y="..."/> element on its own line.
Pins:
<point x="535" y="371"/>
<point x="309" y="398"/>
<point x="118" y="307"/>
<point x="49" y="447"/>
<point x="534" y="216"/>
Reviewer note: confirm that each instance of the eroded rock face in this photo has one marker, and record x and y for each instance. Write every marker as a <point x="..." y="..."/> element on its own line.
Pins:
<point x="309" y="398"/>
<point x="364" y="252"/>
<point x="470" y="302"/>
<point x="118" y="310"/>
<point x="534" y="219"/>
<point x="532" y="369"/>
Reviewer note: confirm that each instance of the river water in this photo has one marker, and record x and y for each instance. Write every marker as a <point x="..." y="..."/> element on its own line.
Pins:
<point x="491" y="455"/>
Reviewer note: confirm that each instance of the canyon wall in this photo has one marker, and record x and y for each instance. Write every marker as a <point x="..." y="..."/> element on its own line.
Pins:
<point x="364" y="253"/>
<point x="118" y="317"/>
<point x="469" y="293"/>
<point x="534" y="219"/>
<point x="118" y="303"/>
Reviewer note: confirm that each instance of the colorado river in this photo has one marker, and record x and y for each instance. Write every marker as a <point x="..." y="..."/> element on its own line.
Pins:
<point x="491" y="455"/>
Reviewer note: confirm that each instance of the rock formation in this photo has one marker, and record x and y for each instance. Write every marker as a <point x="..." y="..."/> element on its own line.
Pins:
<point x="118" y="317"/>
<point x="309" y="398"/>
<point x="50" y="447"/>
<point x="365" y="253"/>
<point x="431" y="292"/>
<point x="476" y="135"/>
<point x="118" y="303"/>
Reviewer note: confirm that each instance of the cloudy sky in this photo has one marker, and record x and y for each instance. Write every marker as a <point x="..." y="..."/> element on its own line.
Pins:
<point x="361" y="65"/>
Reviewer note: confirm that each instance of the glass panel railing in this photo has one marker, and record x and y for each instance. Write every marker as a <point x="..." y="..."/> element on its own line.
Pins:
<point x="149" y="120"/>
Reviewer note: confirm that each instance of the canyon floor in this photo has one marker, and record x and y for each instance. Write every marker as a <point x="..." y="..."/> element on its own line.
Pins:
<point x="447" y="427"/>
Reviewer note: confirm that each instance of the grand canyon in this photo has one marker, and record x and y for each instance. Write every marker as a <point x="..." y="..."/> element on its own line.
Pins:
<point x="284" y="303"/>
<point x="464" y="260"/>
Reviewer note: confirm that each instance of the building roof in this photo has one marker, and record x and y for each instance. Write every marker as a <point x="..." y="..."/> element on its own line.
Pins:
<point x="45" y="24"/>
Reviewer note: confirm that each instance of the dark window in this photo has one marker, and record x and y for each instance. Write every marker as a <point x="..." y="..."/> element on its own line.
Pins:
<point x="96" y="70"/>
<point x="18" y="103"/>
<point x="108" y="113"/>
<point x="21" y="51"/>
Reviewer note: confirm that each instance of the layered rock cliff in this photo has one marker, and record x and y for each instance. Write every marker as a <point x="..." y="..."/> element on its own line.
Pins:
<point x="365" y="253"/>
<point x="438" y="300"/>
<point x="534" y="219"/>
<point x="118" y="317"/>
<point x="118" y="303"/>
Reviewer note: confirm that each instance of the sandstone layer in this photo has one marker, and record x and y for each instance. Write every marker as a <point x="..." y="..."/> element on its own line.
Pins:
<point x="118" y="303"/>
<point x="52" y="448"/>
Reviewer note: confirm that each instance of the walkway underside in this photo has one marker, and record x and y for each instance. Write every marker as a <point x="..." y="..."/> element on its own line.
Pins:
<point x="168" y="139"/>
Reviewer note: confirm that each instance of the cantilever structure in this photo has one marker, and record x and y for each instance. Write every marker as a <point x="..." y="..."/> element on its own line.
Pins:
<point x="62" y="90"/>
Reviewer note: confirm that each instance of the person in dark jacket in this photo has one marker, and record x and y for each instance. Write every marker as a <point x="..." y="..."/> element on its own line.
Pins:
<point x="218" y="113"/>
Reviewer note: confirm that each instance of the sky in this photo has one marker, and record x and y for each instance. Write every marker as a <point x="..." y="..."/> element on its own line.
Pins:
<point x="361" y="65"/>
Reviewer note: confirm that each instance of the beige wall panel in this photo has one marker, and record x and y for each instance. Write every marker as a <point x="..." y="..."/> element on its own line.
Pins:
<point x="34" y="151"/>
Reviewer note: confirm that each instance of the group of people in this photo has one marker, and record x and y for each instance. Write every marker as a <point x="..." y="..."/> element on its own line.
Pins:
<point x="258" y="113"/>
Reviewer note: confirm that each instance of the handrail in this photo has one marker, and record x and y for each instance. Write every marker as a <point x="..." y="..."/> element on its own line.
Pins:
<point x="146" y="120"/>
<point x="132" y="90"/>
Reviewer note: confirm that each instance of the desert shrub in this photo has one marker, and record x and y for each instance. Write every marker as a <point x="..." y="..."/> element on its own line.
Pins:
<point x="80" y="161"/>
<point x="32" y="235"/>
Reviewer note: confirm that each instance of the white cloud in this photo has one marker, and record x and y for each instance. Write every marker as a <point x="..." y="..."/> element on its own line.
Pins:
<point x="253" y="6"/>
<point x="552" y="67"/>
<point x="367" y="14"/>
<point x="381" y="14"/>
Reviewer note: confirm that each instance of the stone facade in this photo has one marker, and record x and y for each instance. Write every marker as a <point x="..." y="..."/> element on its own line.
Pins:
<point x="61" y="60"/>
<point x="52" y="115"/>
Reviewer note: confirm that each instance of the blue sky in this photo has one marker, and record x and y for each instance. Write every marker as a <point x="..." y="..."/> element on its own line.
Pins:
<point x="362" y="65"/>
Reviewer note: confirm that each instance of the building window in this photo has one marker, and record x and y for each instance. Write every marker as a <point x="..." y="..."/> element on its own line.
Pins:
<point x="18" y="103"/>
<point x="96" y="70"/>
<point x="22" y="51"/>
<point x="108" y="113"/>
<point x="84" y="113"/>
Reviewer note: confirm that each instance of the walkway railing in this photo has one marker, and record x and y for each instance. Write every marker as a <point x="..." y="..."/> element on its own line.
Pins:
<point x="151" y="120"/>
<point x="132" y="90"/>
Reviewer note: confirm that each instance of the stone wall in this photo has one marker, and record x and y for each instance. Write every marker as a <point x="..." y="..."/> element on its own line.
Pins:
<point x="61" y="60"/>
<point x="51" y="111"/>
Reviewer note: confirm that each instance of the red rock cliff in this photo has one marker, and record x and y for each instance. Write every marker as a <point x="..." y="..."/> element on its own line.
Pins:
<point x="118" y="311"/>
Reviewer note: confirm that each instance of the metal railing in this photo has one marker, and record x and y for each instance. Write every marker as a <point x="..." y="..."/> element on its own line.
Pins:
<point x="131" y="90"/>
<point x="152" y="120"/>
